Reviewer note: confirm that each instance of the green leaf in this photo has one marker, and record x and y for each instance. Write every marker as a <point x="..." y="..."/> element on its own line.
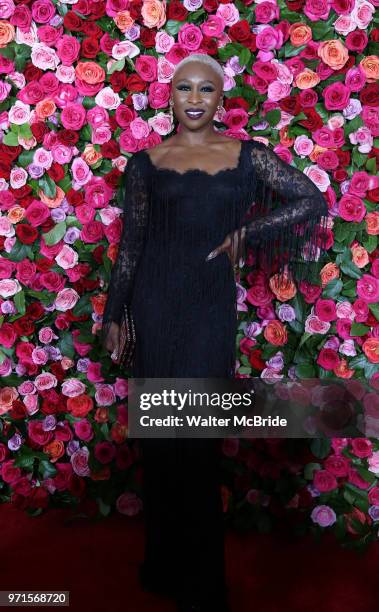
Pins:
<point x="358" y="329"/>
<point x="117" y="66"/>
<point x="48" y="186"/>
<point x="370" y="243"/>
<point x="56" y="234"/>
<point x="375" y="310"/>
<point x="350" y="269"/>
<point x="10" y="139"/>
<point x="273" y="116"/>
<point x="371" y="165"/>
<point x="320" y="447"/>
<point x="309" y="470"/>
<point x="172" y="26"/>
<point x="333" y="288"/>
<point x="19" y="301"/>
<point x="66" y="345"/>
<point x="305" y="370"/>
<point x="244" y="56"/>
<point x="320" y="29"/>
<point x="25" y="131"/>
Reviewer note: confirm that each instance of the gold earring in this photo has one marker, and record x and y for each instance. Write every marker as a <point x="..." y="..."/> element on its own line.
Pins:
<point x="171" y="113"/>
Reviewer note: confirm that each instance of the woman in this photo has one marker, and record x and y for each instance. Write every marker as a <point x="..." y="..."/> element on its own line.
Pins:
<point x="185" y="228"/>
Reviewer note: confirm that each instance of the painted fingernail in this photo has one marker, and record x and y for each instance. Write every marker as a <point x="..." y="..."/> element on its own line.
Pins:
<point x="211" y="255"/>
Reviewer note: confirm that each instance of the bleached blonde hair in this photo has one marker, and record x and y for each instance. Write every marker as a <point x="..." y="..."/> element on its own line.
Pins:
<point x="205" y="59"/>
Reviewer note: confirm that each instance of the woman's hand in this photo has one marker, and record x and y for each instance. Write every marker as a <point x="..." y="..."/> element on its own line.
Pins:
<point x="230" y="246"/>
<point x="112" y="343"/>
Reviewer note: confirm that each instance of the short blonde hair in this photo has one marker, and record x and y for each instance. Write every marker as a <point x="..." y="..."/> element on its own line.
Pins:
<point x="204" y="59"/>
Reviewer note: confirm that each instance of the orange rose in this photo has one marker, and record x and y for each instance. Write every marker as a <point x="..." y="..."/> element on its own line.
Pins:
<point x="285" y="140"/>
<point x="329" y="272"/>
<point x="45" y="108"/>
<point x="119" y="433"/>
<point x="90" y="155"/>
<point x="370" y="348"/>
<point x="123" y="20"/>
<point x="307" y="79"/>
<point x="90" y="72"/>
<point x="333" y="53"/>
<point x="55" y="450"/>
<point x="300" y="34"/>
<point x="80" y="405"/>
<point x="16" y="214"/>
<point x="98" y="302"/>
<point x="276" y="333"/>
<point x="52" y="202"/>
<point x="101" y="415"/>
<point x="7" y="397"/>
<point x="7" y="33"/>
<point x="342" y="370"/>
<point x="372" y="223"/>
<point x="359" y="256"/>
<point x="112" y="252"/>
<point x="153" y="13"/>
<point x="370" y="66"/>
<point x="316" y="152"/>
<point x="283" y="288"/>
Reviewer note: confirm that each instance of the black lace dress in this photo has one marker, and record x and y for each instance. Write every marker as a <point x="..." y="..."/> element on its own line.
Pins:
<point x="183" y="306"/>
<point x="185" y="315"/>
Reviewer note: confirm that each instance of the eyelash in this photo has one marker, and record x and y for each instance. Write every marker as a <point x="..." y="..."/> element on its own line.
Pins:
<point x="205" y="86"/>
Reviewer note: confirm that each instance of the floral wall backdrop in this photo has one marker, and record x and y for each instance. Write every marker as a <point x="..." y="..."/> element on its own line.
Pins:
<point x="83" y="86"/>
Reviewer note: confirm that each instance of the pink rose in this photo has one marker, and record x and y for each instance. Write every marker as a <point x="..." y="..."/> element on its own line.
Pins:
<point x="159" y="94"/>
<point x="317" y="9"/>
<point x="104" y="395"/>
<point x="269" y="38"/>
<point x="42" y="11"/>
<point x="66" y="299"/>
<point x="190" y="36"/>
<point x="147" y="67"/>
<point x="129" y="504"/>
<point x="266" y="12"/>
<point x="318" y="176"/>
<point x="323" y="515"/>
<point x="79" y="462"/>
<point x="314" y="325"/>
<point x="37" y="213"/>
<point x="68" y="48"/>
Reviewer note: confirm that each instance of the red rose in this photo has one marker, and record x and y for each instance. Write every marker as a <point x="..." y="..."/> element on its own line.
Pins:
<point x="24" y="327"/>
<point x="373" y="195"/>
<point x="8" y="335"/>
<point x="240" y="31"/>
<point x="328" y="359"/>
<point x="361" y="447"/>
<point x="68" y="138"/>
<point x="291" y="105"/>
<point x="75" y="198"/>
<point x="118" y="81"/>
<point x="56" y="172"/>
<point x="310" y="292"/>
<point x="338" y="465"/>
<point x="92" y="232"/>
<point x="255" y="360"/>
<point x="110" y="149"/>
<point x="296" y="6"/>
<point x="26" y="233"/>
<point x="32" y="73"/>
<point x="135" y="84"/>
<point x="340" y="175"/>
<point x="373" y="496"/>
<point x="72" y="22"/>
<point x="178" y="12"/>
<point x="369" y="95"/>
<point x="147" y="38"/>
<point x="313" y="121"/>
<point x="90" y="48"/>
<point x="39" y="129"/>
<point x="209" y="45"/>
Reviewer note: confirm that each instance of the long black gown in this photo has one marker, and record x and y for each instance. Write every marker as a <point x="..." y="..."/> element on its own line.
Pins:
<point x="185" y="315"/>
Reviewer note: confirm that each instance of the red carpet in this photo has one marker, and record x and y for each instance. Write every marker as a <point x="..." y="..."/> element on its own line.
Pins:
<point x="98" y="562"/>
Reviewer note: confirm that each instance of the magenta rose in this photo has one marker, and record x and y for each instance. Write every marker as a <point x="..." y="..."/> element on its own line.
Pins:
<point x="73" y="116"/>
<point x="328" y="359"/>
<point x="368" y="288"/>
<point x="68" y="48"/>
<point x="361" y="447"/>
<point x="356" y="479"/>
<point x="351" y="208"/>
<point x="326" y="310"/>
<point x="373" y="496"/>
<point x="338" y="465"/>
<point x="324" y="481"/>
<point x="37" y="213"/>
<point x="336" y="96"/>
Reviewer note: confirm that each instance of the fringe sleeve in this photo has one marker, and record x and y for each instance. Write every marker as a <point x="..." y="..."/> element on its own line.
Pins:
<point x="135" y="218"/>
<point x="289" y="216"/>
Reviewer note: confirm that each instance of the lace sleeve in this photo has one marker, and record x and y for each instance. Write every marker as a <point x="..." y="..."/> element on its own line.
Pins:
<point x="135" y="217"/>
<point x="288" y="211"/>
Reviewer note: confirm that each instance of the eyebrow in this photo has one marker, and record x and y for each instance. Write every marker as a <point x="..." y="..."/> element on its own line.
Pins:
<point x="206" y="81"/>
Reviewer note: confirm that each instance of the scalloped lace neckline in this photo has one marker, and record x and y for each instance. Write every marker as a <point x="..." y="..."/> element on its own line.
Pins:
<point x="195" y="170"/>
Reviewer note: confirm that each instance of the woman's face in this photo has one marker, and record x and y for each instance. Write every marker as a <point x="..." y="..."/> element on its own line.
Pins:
<point x="196" y="86"/>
